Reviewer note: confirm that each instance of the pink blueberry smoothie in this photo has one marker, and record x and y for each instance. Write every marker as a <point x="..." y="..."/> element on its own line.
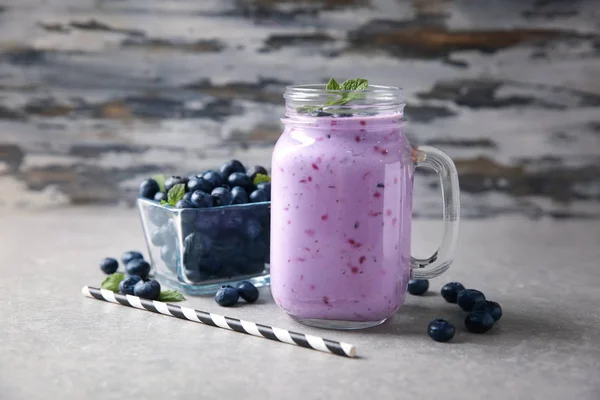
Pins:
<point x="341" y="217"/>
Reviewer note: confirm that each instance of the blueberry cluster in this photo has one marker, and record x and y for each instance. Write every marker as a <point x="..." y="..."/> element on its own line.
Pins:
<point x="137" y="270"/>
<point x="483" y="313"/>
<point x="215" y="236"/>
<point x="231" y="185"/>
<point x="228" y="295"/>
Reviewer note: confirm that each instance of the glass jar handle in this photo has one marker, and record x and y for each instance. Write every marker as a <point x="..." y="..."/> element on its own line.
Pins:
<point x="437" y="160"/>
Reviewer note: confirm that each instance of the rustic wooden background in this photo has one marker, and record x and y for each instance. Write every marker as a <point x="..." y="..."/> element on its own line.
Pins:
<point x="95" y="95"/>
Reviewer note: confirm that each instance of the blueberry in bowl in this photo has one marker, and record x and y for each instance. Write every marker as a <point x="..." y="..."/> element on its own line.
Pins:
<point x="242" y="180"/>
<point x="239" y="195"/>
<point x="209" y="230"/>
<point x="174" y="180"/>
<point x="214" y="178"/>
<point x="199" y="183"/>
<point x="255" y="170"/>
<point x="222" y="196"/>
<point x="232" y="166"/>
<point x="148" y="189"/>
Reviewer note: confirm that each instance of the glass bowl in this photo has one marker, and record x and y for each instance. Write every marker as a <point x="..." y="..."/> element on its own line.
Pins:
<point x="198" y="250"/>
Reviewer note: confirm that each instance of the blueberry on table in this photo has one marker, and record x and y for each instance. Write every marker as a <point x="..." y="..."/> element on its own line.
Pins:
<point x="149" y="289"/>
<point x="232" y="166"/>
<point x="201" y="199"/>
<point x="468" y="298"/>
<point x="240" y="179"/>
<point x="266" y="186"/>
<point x="187" y="196"/>
<point x="258" y="196"/>
<point x="247" y="291"/>
<point x="239" y="195"/>
<point x="441" y="330"/>
<point x="227" y="296"/>
<point x="109" y="265"/>
<point x="183" y="203"/>
<point x="130" y="255"/>
<point x="257" y="169"/>
<point x="138" y="267"/>
<point x="174" y="180"/>
<point x="418" y="286"/>
<point x="451" y="290"/>
<point x="148" y="189"/>
<point x="200" y="184"/>
<point x="491" y="307"/>
<point x="221" y="197"/>
<point x="126" y="285"/>
<point x="160" y="196"/>
<point x="479" y="322"/>
<point x="214" y="178"/>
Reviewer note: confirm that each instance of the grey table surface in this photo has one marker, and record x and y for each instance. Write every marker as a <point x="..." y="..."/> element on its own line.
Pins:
<point x="56" y="344"/>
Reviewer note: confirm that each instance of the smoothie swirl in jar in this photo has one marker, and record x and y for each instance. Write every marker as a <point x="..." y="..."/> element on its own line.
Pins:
<point x="342" y="182"/>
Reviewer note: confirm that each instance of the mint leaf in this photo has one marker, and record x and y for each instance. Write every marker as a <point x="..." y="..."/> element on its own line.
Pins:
<point x="333" y="85"/>
<point x="352" y="88"/>
<point x="164" y="203"/>
<point x="175" y="194"/>
<point x="355" y="84"/>
<point x="346" y="98"/>
<point x="112" y="281"/>
<point x="160" y="179"/>
<point x="260" y="178"/>
<point x="170" y="295"/>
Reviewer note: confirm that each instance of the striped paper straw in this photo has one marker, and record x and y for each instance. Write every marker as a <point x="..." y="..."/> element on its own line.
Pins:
<point x="220" y="321"/>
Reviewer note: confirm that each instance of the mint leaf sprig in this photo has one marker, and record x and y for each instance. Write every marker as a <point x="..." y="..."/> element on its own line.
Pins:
<point x="350" y="90"/>
<point x="112" y="281"/>
<point x="170" y="295"/>
<point x="160" y="179"/>
<point x="260" y="178"/>
<point x="175" y="194"/>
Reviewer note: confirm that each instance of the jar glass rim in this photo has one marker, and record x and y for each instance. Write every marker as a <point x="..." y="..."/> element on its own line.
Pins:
<point x="321" y="87"/>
